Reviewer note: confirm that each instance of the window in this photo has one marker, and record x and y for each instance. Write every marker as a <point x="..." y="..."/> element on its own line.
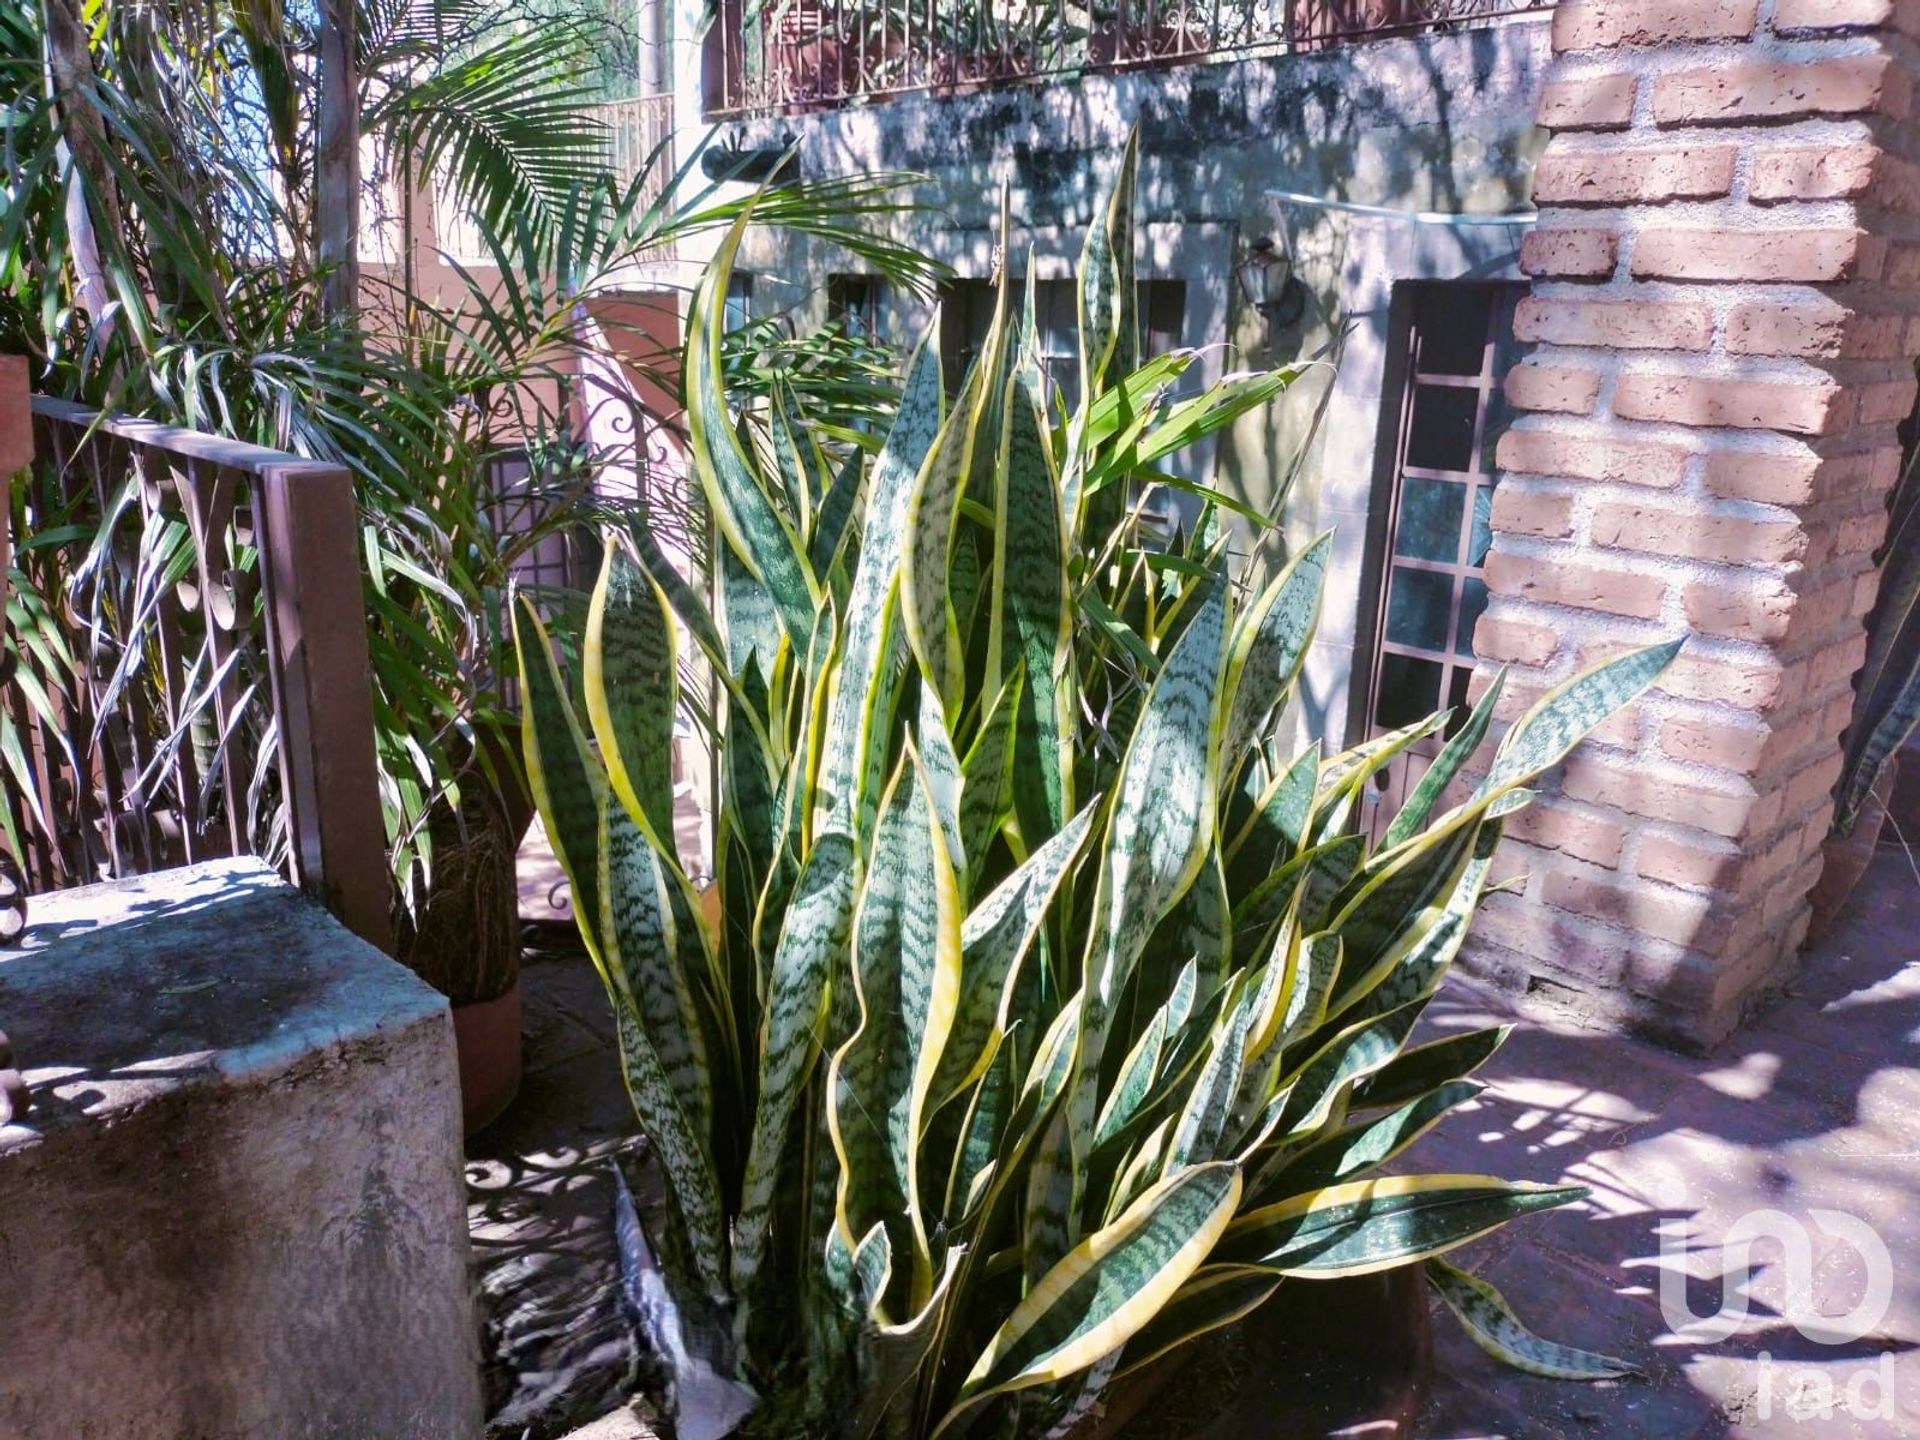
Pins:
<point x="1056" y="304"/>
<point x="739" y="307"/>
<point x="1455" y="346"/>
<point x="859" y="304"/>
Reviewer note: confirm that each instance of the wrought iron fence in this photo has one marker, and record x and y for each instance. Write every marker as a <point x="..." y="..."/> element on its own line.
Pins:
<point x="767" y="55"/>
<point x="190" y="664"/>
<point x="640" y="137"/>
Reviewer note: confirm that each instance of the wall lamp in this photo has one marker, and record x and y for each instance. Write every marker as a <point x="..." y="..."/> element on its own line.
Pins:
<point x="1267" y="280"/>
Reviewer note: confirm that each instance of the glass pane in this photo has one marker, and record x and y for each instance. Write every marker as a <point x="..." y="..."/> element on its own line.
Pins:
<point x="1440" y="432"/>
<point x="1482" y="526"/>
<point x="1451" y="321"/>
<point x="1457" y="699"/>
<point x="1409" y="690"/>
<point x="1419" y="604"/>
<point x="1473" y="599"/>
<point x="1430" y="512"/>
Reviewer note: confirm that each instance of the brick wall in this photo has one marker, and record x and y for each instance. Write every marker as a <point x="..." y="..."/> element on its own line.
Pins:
<point x="1725" y="305"/>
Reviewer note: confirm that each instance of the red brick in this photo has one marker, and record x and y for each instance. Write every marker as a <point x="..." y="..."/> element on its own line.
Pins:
<point x="1591" y="457"/>
<point x="1662" y="793"/>
<point x="1763" y="608"/>
<point x="1588" y="587"/>
<point x="1811" y="407"/>
<point x="1581" y="833"/>
<point x="1756" y="686"/>
<point x="1665" y="530"/>
<point x="1597" y="955"/>
<point x="1521" y="510"/>
<point x="1812" y="788"/>
<point x="1792" y="16"/>
<point x="1783" y="90"/>
<point x="1515" y="642"/>
<point x="1615" y="324"/>
<point x="1819" y="329"/>
<point x="1866" y="590"/>
<point x="1697" y="921"/>
<point x="1887" y="400"/>
<point x="1810" y="256"/>
<point x="1744" y="749"/>
<point x="1784" y="479"/>
<point x="1598" y="102"/>
<point x="1584" y="176"/>
<point x="1567" y="250"/>
<point x="1712" y="864"/>
<point x="1860" y="534"/>
<point x="1598" y="24"/>
<point x="1836" y="663"/>
<point x="1815" y="172"/>
<point x="1902" y="268"/>
<point x="1567" y="389"/>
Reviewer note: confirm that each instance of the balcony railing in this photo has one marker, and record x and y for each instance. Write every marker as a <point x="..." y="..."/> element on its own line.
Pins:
<point x="190" y="655"/>
<point x="767" y="55"/>
<point x="640" y="137"/>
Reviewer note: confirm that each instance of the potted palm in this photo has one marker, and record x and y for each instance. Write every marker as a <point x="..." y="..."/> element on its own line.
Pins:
<point x="1049" y="1016"/>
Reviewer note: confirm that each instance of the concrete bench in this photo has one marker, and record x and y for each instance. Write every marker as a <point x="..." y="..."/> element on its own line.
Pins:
<point x="235" y="1207"/>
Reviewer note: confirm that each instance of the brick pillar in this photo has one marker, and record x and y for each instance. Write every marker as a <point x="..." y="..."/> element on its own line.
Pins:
<point x="1725" y="280"/>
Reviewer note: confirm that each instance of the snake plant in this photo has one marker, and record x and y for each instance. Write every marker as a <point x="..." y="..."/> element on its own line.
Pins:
<point x="1044" y="1015"/>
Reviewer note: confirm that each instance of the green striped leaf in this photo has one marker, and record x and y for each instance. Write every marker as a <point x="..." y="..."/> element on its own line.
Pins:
<point x="1420" y="804"/>
<point x="1269" y="645"/>
<point x="927" y="551"/>
<point x="753" y="526"/>
<point x="1561" y="718"/>
<point x="906" y="954"/>
<point x="1102" y="1293"/>
<point x="631" y="672"/>
<point x="944" y="776"/>
<point x="1491" y="1324"/>
<point x="1210" y="1100"/>
<point x="566" y="785"/>
<point x="857" y="737"/>
<point x="1214" y="1298"/>
<point x="1030" y="614"/>
<point x="1371" y="1143"/>
<point x="1368" y="1225"/>
<point x="1412" y="1074"/>
<point x="1108" y="344"/>
<point x="813" y="942"/>
<point x="834" y="523"/>
<point x="987" y="776"/>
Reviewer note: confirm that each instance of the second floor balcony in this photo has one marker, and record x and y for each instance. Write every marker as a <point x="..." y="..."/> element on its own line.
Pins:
<point x="773" y="55"/>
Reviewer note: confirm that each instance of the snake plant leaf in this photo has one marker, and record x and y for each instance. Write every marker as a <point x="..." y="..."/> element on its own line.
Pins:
<point x="1327" y="870"/>
<point x="1210" y="1100"/>
<point x="753" y="525"/>
<point x="987" y="776"/>
<point x="686" y="604"/>
<point x="1364" y="1226"/>
<point x="1491" y="1324"/>
<point x="1275" y="825"/>
<point x="907" y="972"/>
<point x="1146" y="1165"/>
<point x="566" y="785"/>
<point x="1412" y="1074"/>
<point x="943" y="771"/>
<point x="1099" y="1296"/>
<point x="753" y="628"/>
<point x="1391" y="899"/>
<point x="981" y="1134"/>
<point x="927" y="544"/>
<point x="796" y="450"/>
<point x="1319" y="1085"/>
<point x="1541" y="738"/>
<point x="813" y="940"/>
<point x="995" y="938"/>
<point x="1343" y="779"/>
<point x="1108" y="343"/>
<point x="1419" y="806"/>
<point x="643" y="953"/>
<point x="1214" y="1298"/>
<point x="890" y="1354"/>
<point x="1030" y="619"/>
<point x="1134" y="1082"/>
<point x="1369" y="1143"/>
<point x="834" y="523"/>
<point x="1054" y="1185"/>
<point x="631" y="669"/>
<point x="1270" y="642"/>
<point x="857" y="726"/>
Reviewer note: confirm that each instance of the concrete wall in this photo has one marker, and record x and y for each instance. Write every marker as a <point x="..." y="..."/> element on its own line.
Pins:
<point x="235" y="1207"/>
<point x="1440" y="122"/>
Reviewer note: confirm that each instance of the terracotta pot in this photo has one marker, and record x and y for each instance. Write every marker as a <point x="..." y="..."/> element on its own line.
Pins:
<point x="1844" y="858"/>
<point x="1321" y="1360"/>
<point x="487" y="1036"/>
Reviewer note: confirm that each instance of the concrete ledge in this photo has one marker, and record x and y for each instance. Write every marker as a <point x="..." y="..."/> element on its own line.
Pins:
<point x="237" y="1209"/>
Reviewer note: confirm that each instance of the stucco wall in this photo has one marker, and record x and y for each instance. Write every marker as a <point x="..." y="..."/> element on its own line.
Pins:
<point x="1440" y="122"/>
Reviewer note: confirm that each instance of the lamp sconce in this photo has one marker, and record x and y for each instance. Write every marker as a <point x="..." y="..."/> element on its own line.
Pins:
<point x="1267" y="280"/>
<point x="734" y="159"/>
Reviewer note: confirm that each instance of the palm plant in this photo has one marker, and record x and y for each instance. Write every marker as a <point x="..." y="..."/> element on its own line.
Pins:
<point x="1044" y="1015"/>
<point x="157" y="255"/>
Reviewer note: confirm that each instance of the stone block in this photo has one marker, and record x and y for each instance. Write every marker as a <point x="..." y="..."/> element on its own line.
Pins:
<point x="237" y="1210"/>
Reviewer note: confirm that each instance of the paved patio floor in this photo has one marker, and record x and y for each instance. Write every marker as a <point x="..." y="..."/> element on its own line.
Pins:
<point x="1807" y="1124"/>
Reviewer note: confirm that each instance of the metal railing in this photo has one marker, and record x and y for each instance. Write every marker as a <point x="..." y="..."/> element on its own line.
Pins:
<point x="767" y="55"/>
<point x="640" y="138"/>
<point x="191" y="654"/>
